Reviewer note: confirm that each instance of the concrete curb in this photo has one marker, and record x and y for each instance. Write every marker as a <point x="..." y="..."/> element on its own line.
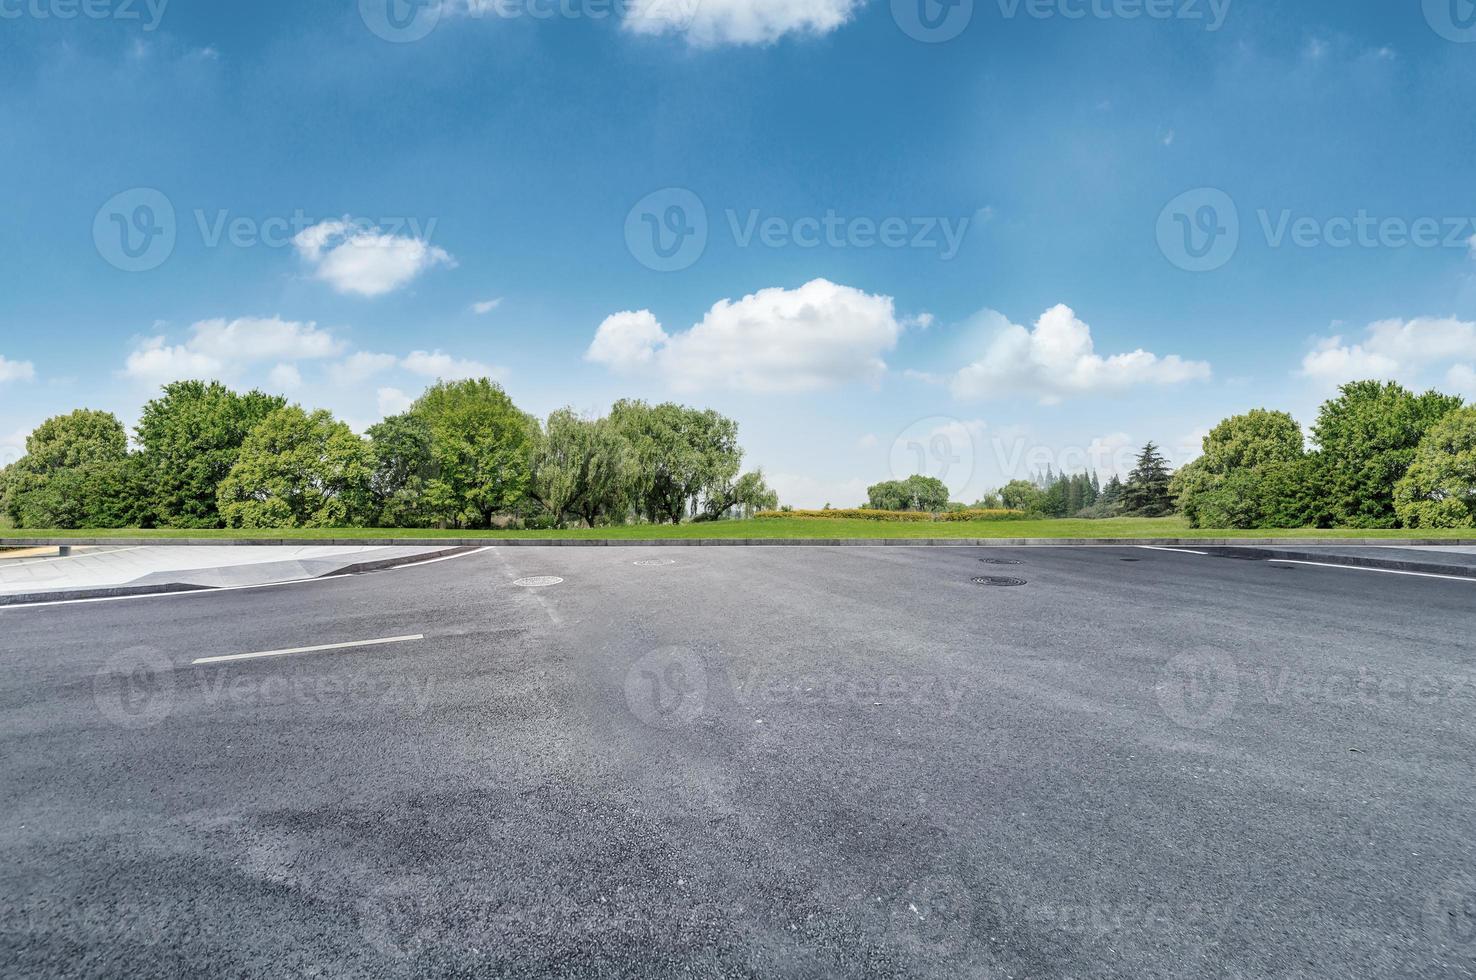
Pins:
<point x="483" y="542"/>
<point x="172" y="588"/>
<point x="1349" y="561"/>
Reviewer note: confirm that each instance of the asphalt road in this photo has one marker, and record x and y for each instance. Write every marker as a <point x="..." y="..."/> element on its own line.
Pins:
<point x="750" y="762"/>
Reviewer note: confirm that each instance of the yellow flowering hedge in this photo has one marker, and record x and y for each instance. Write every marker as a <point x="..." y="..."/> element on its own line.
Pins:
<point x="858" y="513"/>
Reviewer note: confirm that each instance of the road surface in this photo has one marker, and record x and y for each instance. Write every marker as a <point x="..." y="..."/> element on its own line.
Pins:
<point x="749" y="762"/>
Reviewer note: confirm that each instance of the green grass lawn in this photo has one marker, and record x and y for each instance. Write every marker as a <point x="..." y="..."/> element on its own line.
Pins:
<point x="1122" y="527"/>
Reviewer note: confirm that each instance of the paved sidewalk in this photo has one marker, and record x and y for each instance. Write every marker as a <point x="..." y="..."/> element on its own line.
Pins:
<point x="210" y="567"/>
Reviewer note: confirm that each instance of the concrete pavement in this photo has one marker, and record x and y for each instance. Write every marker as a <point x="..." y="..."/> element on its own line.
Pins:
<point x="99" y="571"/>
<point x="750" y="762"/>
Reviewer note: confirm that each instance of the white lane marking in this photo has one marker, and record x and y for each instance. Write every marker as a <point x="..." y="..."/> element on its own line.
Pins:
<point x="1159" y="547"/>
<point x="316" y="649"/>
<point x="1365" y="568"/>
<point x="432" y="561"/>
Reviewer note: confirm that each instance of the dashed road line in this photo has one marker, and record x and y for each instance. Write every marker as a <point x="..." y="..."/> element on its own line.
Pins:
<point x="313" y="649"/>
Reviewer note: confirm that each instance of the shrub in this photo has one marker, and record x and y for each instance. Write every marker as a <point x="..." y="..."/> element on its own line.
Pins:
<point x="867" y="514"/>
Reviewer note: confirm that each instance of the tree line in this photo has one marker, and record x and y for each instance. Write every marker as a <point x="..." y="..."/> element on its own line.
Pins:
<point x="462" y="456"/>
<point x="1380" y="456"/>
<point x="1146" y="493"/>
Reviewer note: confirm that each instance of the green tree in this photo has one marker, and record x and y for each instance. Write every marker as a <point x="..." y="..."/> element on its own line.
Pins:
<point x="1439" y="488"/>
<point x="1366" y="438"/>
<point x="298" y="470"/>
<point x="1022" y="495"/>
<point x="676" y="453"/>
<point x="887" y="495"/>
<point x="403" y="467"/>
<point x="1253" y="473"/>
<point x="190" y="438"/>
<point x="579" y="466"/>
<point x="77" y="473"/>
<point x="1280" y="493"/>
<point x="749" y="492"/>
<point x="917" y="492"/>
<point x="1146" y="493"/>
<point x="481" y="451"/>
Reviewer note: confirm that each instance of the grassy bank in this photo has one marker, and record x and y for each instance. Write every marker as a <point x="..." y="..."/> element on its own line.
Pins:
<point x="795" y="527"/>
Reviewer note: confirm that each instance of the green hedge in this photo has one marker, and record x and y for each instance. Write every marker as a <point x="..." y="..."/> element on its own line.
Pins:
<point x="866" y="514"/>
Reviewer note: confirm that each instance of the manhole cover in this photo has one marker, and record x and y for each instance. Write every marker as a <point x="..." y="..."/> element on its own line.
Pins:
<point x="997" y="580"/>
<point x="538" y="581"/>
<point x="656" y="561"/>
<point x="1001" y="561"/>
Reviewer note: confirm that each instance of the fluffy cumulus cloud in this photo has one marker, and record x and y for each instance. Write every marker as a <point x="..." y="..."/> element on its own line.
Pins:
<point x="392" y="401"/>
<point x="1396" y="349"/>
<point x="221" y="348"/>
<point x="364" y="261"/>
<point x="710" y="22"/>
<point x="286" y="377"/>
<point x="1057" y="358"/>
<point x="16" y="370"/>
<point x="360" y="366"/>
<point x="818" y="335"/>
<point x="443" y="367"/>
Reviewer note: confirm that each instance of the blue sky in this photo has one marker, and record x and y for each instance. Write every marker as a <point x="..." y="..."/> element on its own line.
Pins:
<point x="1032" y="232"/>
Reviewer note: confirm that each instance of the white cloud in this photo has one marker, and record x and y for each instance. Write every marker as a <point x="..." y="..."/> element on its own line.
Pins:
<point x="444" y="367"/>
<point x="1057" y="358"/>
<point x="868" y="441"/>
<point x="360" y="366"/>
<point x="711" y="22"/>
<point x="155" y="362"/>
<point x="1392" y="349"/>
<point x="13" y="446"/>
<point x="486" y="306"/>
<point x="1462" y="379"/>
<point x="627" y="340"/>
<point x="285" y="376"/>
<point x="221" y="348"/>
<point x="262" y="339"/>
<point x="393" y="401"/>
<point x="16" y="370"/>
<point x="776" y="339"/>
<point x="353" y="258"/>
